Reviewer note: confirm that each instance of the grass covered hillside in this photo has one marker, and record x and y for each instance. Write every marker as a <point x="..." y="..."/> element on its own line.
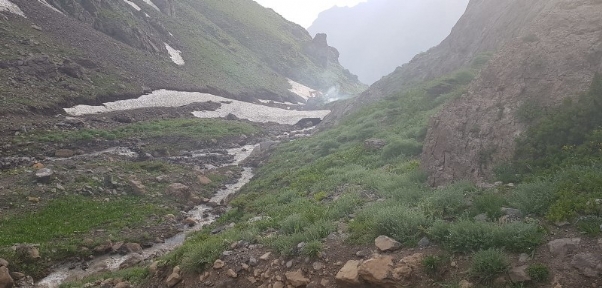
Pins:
<point x="92" y="51"/>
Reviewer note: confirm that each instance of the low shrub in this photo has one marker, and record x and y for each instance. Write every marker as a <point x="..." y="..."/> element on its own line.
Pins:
<point x="538" y="272"/>
<point x="488" y="264"/>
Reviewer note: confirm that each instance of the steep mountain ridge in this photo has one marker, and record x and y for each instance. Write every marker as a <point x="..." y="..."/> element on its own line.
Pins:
<point x="376" y="36"/>
<point x="233" y="48"/>
<point x="553" y="58"/>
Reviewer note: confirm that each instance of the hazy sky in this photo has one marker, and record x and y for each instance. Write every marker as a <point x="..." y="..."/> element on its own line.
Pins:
<point x="304" y="12"/>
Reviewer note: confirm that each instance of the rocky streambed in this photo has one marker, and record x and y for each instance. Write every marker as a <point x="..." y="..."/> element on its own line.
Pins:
<point x="243" y="156"/>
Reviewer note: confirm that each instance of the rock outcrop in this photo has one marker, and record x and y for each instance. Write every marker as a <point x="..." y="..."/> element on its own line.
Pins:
<point x="554" y="55"/>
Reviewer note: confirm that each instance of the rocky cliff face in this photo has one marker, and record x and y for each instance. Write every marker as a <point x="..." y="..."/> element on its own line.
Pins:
<point x="550" y="53"/>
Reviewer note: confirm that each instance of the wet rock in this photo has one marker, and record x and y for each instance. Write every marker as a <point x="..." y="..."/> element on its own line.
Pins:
<point x="385" y="244"/>
<point x="587" y="264"/>
<point x="132" y="247"/>
<point x="137" y="187"/>
<point x="44" y="175"/>
<point x="174" y="278"/>
<point x="64" y="153"/>
<point x="519" y="274"/>
<point x="349" y="274"/>
<point x="178" y="190"/>
<point x="132" y="261"/>
<point x="560" y="247"/>
<point x="25" y="282"/>
<point x="189" y="222"/>
<point x="296" y="278"/>
<point x="374" y="144"/>
<point x="5" y="280"/>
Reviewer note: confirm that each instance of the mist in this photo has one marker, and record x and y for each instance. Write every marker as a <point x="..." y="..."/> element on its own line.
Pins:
<point x="375" y="37"/>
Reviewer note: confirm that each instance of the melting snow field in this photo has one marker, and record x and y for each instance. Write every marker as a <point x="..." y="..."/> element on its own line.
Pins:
<point x="133" y="5"/>
<point x="6" y="5"/>
<point x="149" y="2"/>
<point x="167" y="98"/>
<point x="176" y="55"/>
<point x="301" y="89"/>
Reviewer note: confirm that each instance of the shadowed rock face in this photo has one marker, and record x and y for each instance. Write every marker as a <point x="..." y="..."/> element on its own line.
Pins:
<point x="552" y="55"/>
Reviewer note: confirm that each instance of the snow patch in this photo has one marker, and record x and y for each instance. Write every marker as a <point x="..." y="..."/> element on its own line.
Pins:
<point x="167" y="98"/>
<point x="50" y="6"/>
<point x="8" y="6"/>
<point x="150" y="3"/>
<point x="175" y="55"/>
<point x="302" y="90"/>
<point x="133" y="5"/>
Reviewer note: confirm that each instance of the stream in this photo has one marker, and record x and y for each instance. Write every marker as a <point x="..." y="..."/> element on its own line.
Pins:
<point x="203" y="214"/>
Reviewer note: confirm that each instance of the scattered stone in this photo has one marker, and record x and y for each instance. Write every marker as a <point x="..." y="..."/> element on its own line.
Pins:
<point x="465" y="284"/>
<point x="64" y="153"/>
<point x="174" y="278"/>
<point x="231" y="273"/>
<point x="519" y="274"/>
<point x="374" y="144"/>
<point x="278" y="284"/>
<point x="289" y="264"/>
<point x="296" y="278"/>
<point x="376" y="270"/>
<point x="424" y="242"/>
<point x="33" y="199"/>
<point x="204" y="276"/>
<point x="266" y="256"/>
<point x="317" y="266"/>
<point x="3" y="263"/>
<point x="219" y="264"/>
<point x="37" y="166"/>
<point x="349" y="274"/>
<point x="17" y="275"/>
<point x="178" y="190"/>
<point x="384" y="244"/>
<point x="36" y="27"/>
<point x="5" y="279"/>
<point x="481" y="218"/>
<point x="588" y="264"/>
<point x="137" y="187"/>
<point x="227" y="253"/>
<point x="252" y="279"/>
<point x="253" y="261"/>
<point x="204" y="180"/>
<point x="524" y="258"/>
<point x="363" y="253"/>
<point x="123" y="285"/>
<point x="512" y="212"/>
<point x="560" y="247"/>
<point x="44" y="175"/>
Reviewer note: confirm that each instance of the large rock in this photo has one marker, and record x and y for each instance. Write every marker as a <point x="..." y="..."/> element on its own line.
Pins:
<point x="44" y="175"/>
<point x="64" y="153"/>
<point x="178" y="190"/>
<point x="174" y="278"/>
<point x="137" y="187"/>
<point x="131" y="261"/>
<point x="519" y="274"/>
<point x="385" y="244"/>
<point x="533" y="41"/>
<point x="5" y="280"/>
<point x="560" y="247"/>
<point x="349" y="274"/>
<point x="27" y="253"/>
<point x="588" y="264"/>
<point x="296" y="278"/>
<point x="377" y="270"/>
